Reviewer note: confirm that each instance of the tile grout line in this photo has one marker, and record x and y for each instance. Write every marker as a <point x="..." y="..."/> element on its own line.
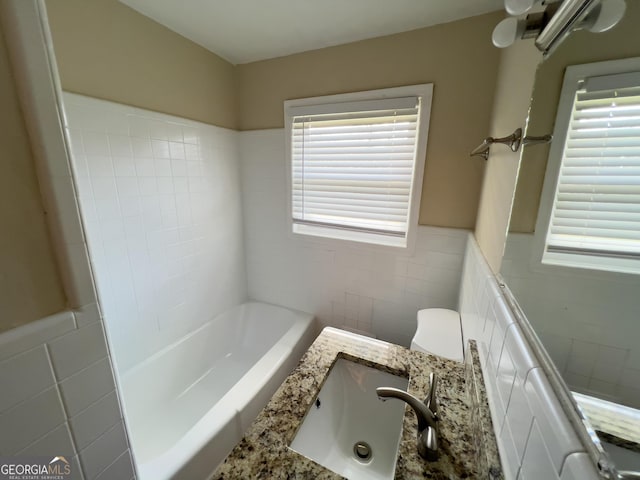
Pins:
<point x="62" y="403"/>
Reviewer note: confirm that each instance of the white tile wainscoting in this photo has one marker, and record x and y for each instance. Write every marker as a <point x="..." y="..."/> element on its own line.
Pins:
<point x="535" y="438"/>
<point x="588" y="321"/>
<point x="59" y="395"/>
<point x="371" y="290"/>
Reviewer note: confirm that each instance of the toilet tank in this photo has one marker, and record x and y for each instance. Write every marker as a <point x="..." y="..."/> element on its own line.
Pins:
<point x="439" y="333"/>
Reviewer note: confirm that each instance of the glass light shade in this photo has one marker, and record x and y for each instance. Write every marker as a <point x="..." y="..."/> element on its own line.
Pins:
<point x="507" y="32"/>
<point x="605" y="16"/>
<point x="518" y="7"/>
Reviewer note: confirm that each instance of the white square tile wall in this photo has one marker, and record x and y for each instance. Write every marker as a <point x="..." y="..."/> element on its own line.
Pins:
<point x="588" y="323"/>
<point x="160" y="198"/>
<point x="59" y="397"/>
<point x="535" y="439"/>
<point x="362" y="288"/>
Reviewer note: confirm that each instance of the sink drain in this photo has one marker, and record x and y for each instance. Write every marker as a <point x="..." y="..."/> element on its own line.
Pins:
<point x="362" y="451"/>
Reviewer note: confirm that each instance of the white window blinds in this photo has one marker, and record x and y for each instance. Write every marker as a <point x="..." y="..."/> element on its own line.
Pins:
<point x="353" y="164"/>
<point x="596" y="209"/>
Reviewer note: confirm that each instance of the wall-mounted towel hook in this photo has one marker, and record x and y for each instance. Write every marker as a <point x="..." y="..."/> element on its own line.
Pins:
<point x="513" y="141"/>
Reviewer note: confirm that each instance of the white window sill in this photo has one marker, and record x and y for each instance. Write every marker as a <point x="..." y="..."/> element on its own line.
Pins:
<point x="591" y="262"/>
<point x="350" y="236"/>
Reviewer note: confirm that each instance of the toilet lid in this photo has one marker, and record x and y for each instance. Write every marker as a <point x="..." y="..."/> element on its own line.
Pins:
<point x="439" y="333"/>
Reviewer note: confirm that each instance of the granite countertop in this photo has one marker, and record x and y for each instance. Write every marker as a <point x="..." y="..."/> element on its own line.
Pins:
<point x="467" y="444"/>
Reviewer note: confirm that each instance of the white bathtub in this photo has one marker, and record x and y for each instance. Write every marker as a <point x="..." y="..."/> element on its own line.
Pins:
<point x="188" y="405"/>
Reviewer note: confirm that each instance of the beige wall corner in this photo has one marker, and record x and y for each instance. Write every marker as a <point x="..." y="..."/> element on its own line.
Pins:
<point x="516" y="74"/>
<point x="30" y="287"/>
<point x="457" y="57"/>
<point x="581" y="47"/>
<point x="107" y="50"/>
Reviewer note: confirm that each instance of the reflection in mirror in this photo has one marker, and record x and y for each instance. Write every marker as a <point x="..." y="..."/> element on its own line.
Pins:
<point x="587" y="319"/>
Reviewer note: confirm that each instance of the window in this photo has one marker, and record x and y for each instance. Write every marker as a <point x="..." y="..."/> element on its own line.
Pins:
<point x="355" y="164"/>
<point x="594" y="220"/>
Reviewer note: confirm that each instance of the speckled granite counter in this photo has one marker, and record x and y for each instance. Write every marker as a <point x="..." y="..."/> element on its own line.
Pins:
<point x="467" y="444"/>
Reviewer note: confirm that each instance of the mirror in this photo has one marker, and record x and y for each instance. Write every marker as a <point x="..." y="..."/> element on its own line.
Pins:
<point x="588" y="321"/>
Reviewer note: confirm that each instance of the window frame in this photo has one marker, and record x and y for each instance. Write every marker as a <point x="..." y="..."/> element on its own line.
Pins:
<point x="351" y="237"/>
<point x="597" y="265"/>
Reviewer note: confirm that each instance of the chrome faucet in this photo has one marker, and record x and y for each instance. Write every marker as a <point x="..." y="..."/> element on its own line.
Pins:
<point x="427" y="413"/>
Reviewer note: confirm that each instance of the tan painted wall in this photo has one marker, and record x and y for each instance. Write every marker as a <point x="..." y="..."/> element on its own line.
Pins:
<point x="30" y="287"/>
<point x="457" y="57"/>
<point x="107" y="50"/>
<point x="516" y="74"/>
<point x="581" y="47"/>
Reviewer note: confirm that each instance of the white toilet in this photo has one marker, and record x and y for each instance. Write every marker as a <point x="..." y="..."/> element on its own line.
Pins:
<point x="439" y="333"/>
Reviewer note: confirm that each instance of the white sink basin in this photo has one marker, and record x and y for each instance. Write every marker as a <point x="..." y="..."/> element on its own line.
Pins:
<point x="348" y="429"/>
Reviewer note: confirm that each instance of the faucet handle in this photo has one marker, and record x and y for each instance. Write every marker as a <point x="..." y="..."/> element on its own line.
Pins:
<point x="431" y="401"/>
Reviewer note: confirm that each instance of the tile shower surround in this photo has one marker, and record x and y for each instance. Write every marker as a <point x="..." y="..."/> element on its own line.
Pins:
<point x="61" y="395"/>
<point x="160" y="199"/>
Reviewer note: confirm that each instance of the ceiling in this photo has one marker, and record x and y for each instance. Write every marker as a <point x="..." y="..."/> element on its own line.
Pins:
<point x="243" y="31"/>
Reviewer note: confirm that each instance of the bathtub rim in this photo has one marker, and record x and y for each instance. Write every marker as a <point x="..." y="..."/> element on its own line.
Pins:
<point x="227" y="415"/>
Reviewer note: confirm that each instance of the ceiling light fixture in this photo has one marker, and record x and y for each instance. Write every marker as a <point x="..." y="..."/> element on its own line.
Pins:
<point x="555" y="21"/>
